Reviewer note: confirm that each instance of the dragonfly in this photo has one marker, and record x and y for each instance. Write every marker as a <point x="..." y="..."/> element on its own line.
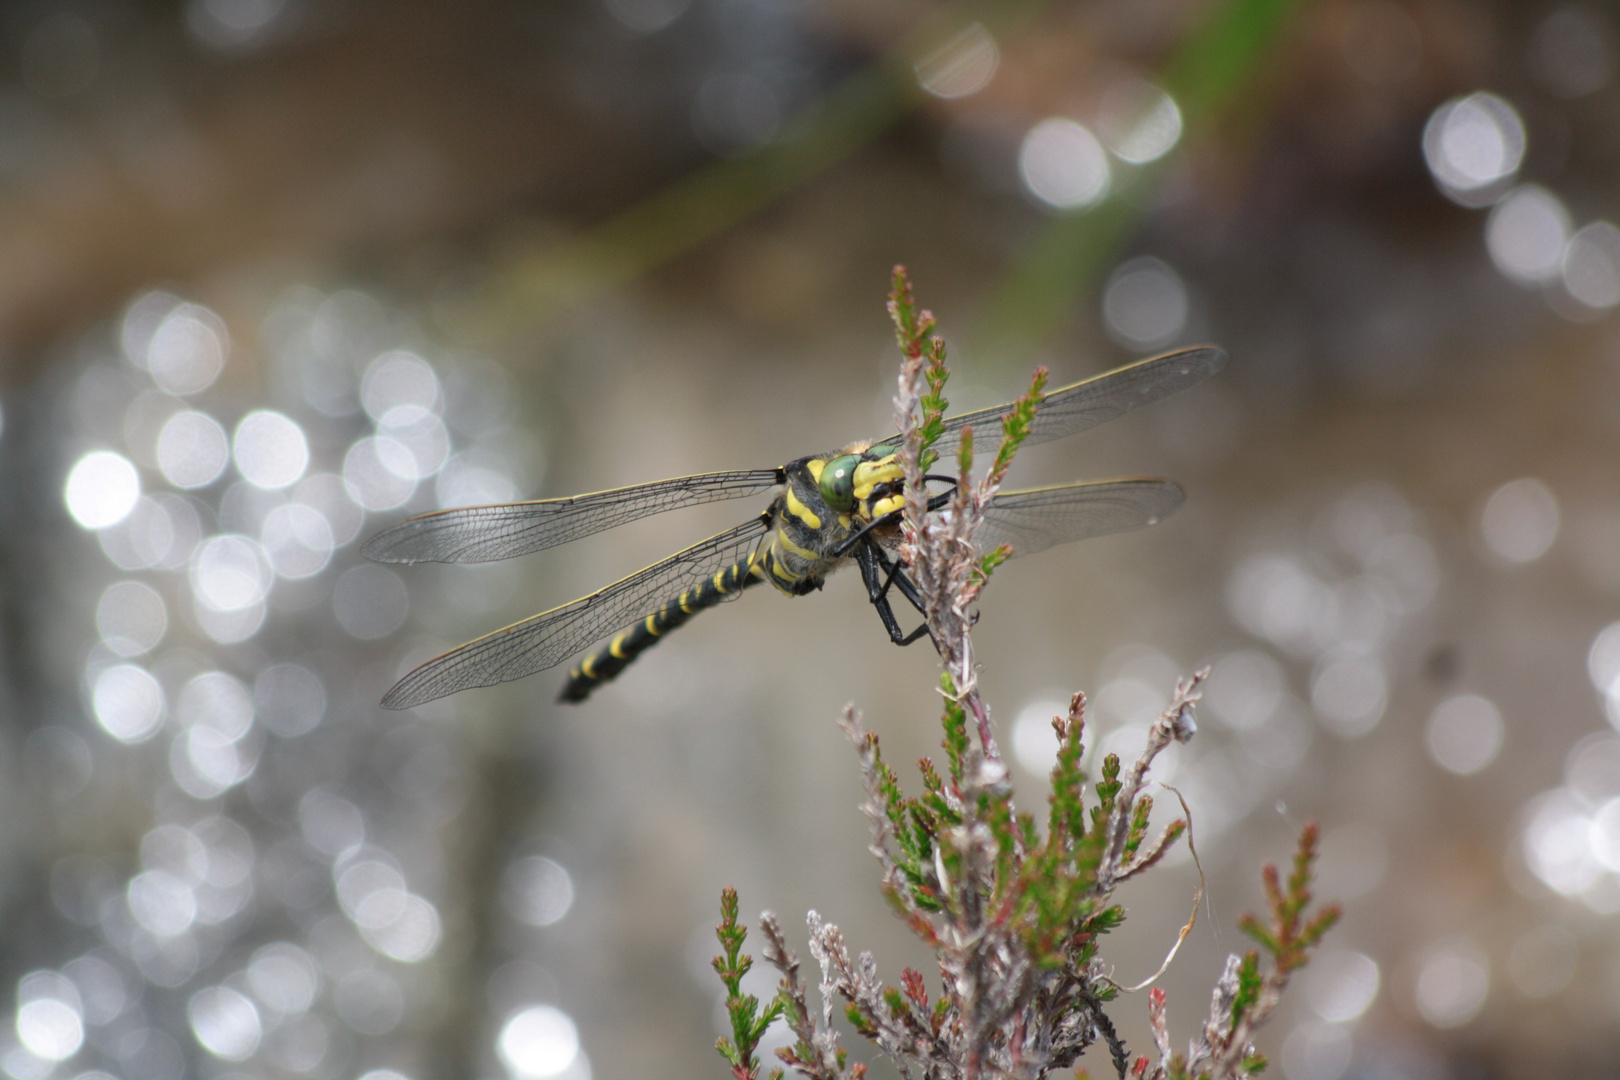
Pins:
<point x="827" y="510"/>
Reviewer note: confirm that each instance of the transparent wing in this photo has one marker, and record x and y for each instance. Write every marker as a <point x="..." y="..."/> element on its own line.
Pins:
<point x="1072" y="409"/>
<point x="547" y="639"/>
<point x="477" y="534"/>
<point x="1035" y="519"/>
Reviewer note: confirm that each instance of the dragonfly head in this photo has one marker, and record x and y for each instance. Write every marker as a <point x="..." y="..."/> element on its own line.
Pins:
<point x="865" y="482"/>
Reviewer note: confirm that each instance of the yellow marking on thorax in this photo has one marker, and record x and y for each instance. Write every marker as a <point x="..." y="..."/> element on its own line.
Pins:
<point x="801" y="511"/>
<point x="869" y="474"/>
<point x="803" y="553"/>
<point x="814" y="467"/>
<point x="888" y="505"/>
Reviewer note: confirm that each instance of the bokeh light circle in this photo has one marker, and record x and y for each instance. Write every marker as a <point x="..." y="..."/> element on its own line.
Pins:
<point x="50" y="1028"/>
<point x="1520" y="520"/>
<point x="131" y="617"/>
<point x="1464" y="734"/>
<point x="187" y="350"/>
<point x="192" y="449"/>
<point x="1035" y="743"/>
<point x="1473" y="146"/>
<point x="1063" y="165"/>
<point x="1145" y="304"/>
<point x="1591" y="266"/>
<point x="1453" y="982"/>
<point x="101" y="489"/>
<point x="290" y="699"/>
<point x="225" y="1023"/>
<point x="381" y="473"/>
<point x="298" y="540"/>
<point x="1341" y="984"/>
<point x="539" y="1042"/>
<point x="1527" y="234"/>
<point x="230" y="573"/>
<point x="537" y="890"/>
<point x="961" y="67"/>
<point x="398" y="378"/>
<point x="1138" y="121"/>
<point x="128" y="703"/>
<point x="270" y="449"/>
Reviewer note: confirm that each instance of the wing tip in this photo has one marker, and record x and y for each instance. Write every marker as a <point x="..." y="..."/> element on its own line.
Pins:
<point x="1209" y="359"/>
<point x="416" y="688"/>
<point x="400" y="698"/>
<point x="377" y="551"/>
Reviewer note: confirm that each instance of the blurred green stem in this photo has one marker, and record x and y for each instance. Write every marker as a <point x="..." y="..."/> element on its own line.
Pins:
<point x="1205" y="77"/>
<point x="1035" y="297"/>
<point x="690" y="211"/>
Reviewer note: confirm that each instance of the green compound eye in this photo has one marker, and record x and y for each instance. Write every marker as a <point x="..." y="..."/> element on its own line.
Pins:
<point x="838" y="482"/>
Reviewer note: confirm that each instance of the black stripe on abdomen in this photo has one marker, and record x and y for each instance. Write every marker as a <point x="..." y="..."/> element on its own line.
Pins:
<point x="602" y="665"/>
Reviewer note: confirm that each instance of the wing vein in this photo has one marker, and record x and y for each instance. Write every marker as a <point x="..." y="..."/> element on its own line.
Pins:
<point x="547" y="639"/>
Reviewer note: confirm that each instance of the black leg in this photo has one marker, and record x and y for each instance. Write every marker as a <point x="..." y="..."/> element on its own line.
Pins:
<point x="879" y="573"/>
<point x="889" y="519"/>
<point x="898" y="577"/>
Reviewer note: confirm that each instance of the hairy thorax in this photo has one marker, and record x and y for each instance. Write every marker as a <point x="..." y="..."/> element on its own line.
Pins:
<point x="826" y="501"/>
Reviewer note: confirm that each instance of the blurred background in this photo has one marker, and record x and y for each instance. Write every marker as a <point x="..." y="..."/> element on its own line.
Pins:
<point x="277" y="273"/>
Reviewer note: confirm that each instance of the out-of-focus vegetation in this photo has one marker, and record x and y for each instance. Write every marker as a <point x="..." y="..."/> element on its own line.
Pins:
<point x="275" y="273"/>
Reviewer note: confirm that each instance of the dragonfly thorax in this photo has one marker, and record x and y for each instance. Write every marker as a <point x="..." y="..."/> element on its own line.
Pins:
<point x="826" y="499"/>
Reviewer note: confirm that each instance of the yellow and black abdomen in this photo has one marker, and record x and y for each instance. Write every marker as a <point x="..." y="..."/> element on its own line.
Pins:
<point x="602" y="665"/>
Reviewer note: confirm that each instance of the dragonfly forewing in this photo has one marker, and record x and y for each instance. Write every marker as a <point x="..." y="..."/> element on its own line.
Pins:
<point x="547" y="639"/>
<point x="478" y="534"/>
<point x="1070" y="410"/>
<point x="1036" y="519"/>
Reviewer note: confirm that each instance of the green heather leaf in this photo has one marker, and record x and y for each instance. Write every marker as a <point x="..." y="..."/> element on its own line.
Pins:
<point x="989" y="561"/>
<point x="1015" y="425"/>
<point x="1267" y="940"/>
<point x="955" y="724"/>
<point x="1249" y="984"/>
<point x="1324" y="921"/>
<point x="1139" y="824"/>
<point x="964" y="453"/>
<point x="1105" y="920"/>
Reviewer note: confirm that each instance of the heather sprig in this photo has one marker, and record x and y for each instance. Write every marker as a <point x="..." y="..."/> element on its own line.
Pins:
<point x="1014" y="913"/>
<point x="748" y="1021"/>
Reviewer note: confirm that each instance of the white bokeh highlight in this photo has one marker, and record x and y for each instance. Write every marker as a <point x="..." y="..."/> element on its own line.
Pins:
<point x="538" y="1043"/>
<point x="1474" y="146"/>
<point x="1464" y="734"/>
<point x="961" y="67"/>
<point x="1526" y="235"/>
<point x="101" y="489"/>
<point x="1520" y="520"/>
<point x="270" y="449"/>
<point x="192" y="449"/>
<point x="1063" y="165"/>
